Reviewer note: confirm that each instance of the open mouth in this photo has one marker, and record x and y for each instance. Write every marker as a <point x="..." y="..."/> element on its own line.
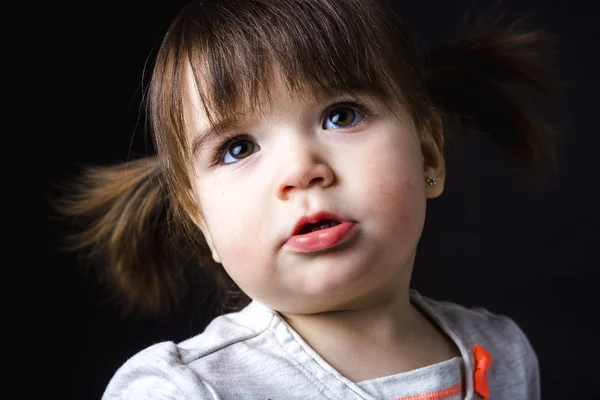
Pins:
<point x="317" y="226"/>
<point x="319" y="232"/>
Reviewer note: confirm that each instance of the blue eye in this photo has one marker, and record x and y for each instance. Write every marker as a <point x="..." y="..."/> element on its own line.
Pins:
<point x="238" y="149"/>
<point x="343" y="116"/>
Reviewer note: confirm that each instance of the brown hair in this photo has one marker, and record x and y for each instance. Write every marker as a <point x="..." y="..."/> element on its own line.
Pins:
<point x="140" y="215"/>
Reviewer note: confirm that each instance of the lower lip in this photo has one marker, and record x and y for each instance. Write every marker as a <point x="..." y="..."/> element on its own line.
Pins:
<point x="321" y="239"/>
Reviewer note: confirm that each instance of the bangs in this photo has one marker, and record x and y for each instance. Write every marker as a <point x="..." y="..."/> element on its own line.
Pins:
<point x="317" y="46"/>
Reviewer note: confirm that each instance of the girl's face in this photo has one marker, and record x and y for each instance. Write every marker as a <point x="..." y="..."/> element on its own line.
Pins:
<point x="326" y="160"/>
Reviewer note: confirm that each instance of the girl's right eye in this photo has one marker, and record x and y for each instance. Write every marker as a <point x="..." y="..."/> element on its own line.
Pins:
<point x="236" y="149"/>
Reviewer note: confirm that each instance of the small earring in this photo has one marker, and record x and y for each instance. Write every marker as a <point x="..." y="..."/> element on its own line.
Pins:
<point x="430" y="181"/>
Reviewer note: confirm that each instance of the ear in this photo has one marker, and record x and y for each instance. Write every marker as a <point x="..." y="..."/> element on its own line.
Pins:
<point x="432" y="147"/>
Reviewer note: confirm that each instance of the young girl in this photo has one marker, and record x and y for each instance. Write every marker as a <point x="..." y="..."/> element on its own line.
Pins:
<point x="297" y="143"/>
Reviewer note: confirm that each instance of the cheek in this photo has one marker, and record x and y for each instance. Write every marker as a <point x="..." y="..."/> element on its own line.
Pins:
<point x="231" y="223"/>
<point x="399" y="205"/>
<point x="403" y="207"/>
<point x="237" y="228"/>
<point x="394" y="191"/>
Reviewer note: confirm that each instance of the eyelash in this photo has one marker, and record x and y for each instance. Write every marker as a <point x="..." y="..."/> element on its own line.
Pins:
<point x="227" y="141"/>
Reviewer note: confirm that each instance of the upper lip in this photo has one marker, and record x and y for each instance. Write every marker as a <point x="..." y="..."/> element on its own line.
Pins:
<point x="316" y="217"/>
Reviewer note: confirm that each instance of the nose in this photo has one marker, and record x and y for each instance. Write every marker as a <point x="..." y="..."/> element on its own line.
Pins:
<point x="303" y="170"/>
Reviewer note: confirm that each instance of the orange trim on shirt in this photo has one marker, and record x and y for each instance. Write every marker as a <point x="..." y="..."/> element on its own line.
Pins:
<point x="483" y="360"/>
<point x="437" y="395"/>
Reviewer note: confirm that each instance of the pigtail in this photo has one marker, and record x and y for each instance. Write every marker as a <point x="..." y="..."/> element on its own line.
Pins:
<point x="483" y="80"/>
<point x="127" y="222"/>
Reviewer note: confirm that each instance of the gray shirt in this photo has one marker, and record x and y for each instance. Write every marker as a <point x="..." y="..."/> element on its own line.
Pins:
<point x="255" y="354"/>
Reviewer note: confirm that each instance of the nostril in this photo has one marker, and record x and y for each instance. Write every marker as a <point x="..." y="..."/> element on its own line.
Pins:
<point x="317" y="180"/>
<point x="286" y="189"/>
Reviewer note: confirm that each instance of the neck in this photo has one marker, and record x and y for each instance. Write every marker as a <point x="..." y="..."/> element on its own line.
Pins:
<point x="389" y="322"/>
<point x="385" y="339"/>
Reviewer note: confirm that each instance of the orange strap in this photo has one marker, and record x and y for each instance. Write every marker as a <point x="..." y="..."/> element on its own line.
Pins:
<point x="483" y="360"/>
<point x="437" y="395"/>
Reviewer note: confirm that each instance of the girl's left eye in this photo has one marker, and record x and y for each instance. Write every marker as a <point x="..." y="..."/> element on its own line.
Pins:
<point x="344" y="116"/>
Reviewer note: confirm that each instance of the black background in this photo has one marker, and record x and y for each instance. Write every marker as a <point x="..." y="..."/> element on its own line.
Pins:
<point x="494" y="239"/>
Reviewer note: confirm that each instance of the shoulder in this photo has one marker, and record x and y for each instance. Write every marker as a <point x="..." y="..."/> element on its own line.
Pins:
<point x="169" y="370"/>
<point x="480" y="324"/>
<point x="476" y="321"/>
<point x="513" y="357"/>
<point x="157" y="372"/>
